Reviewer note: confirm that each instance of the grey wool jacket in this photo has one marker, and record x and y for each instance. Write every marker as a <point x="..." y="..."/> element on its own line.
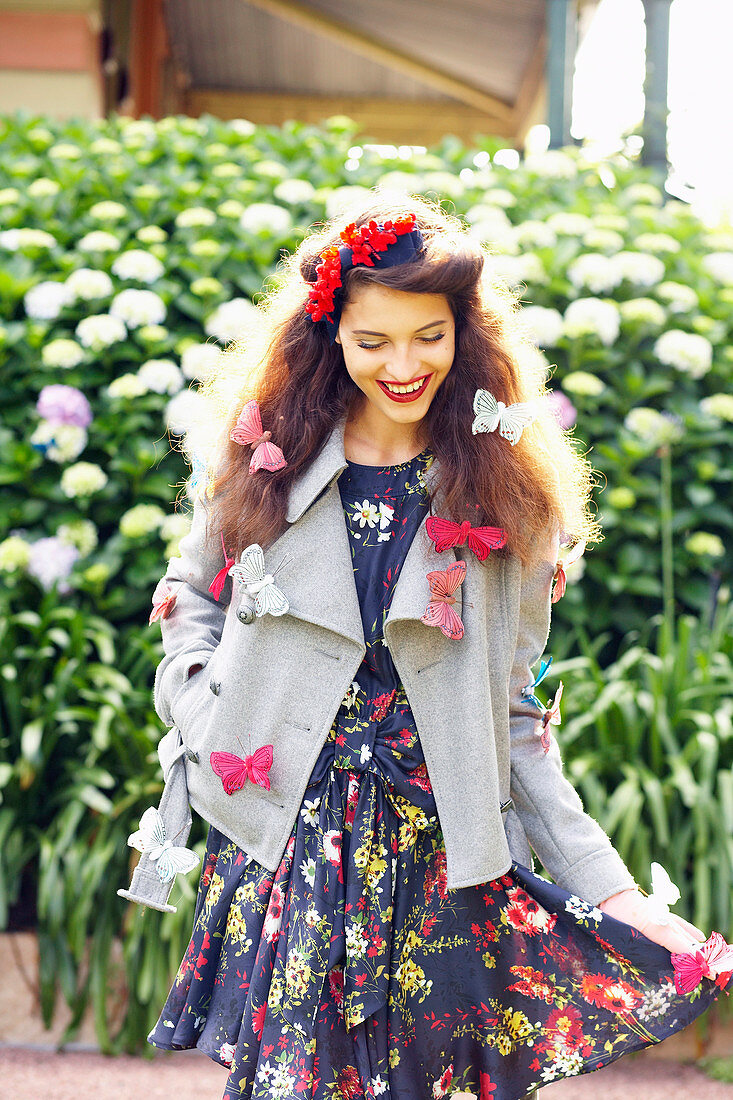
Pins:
<point x="280" y="680"/>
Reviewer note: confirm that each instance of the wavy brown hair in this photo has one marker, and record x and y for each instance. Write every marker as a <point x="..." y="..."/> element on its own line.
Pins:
<point x="300" y="381"/>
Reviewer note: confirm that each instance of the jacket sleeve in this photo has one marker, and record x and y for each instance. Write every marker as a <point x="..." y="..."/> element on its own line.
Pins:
<point x="572" y="846"/>
<point x="193" y="629"/>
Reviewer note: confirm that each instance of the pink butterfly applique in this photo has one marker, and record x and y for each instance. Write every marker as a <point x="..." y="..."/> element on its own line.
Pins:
<point x="713" y="958"/>
<point x="439" y="612"/>
<point x="559" y="575"/>
<point x="481" y="540"/>
<point x="164" y="599"/>
<point x="248" y="430"/>
<point x="219" y="580"/>
<point x="235" y="772"/>
<point x="551" y="717"/>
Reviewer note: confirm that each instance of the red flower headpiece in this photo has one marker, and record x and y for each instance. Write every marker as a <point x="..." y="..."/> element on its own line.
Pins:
<point x="361" y="246"/>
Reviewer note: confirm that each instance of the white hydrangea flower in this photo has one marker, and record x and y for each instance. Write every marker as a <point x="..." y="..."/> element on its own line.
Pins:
<point x="126" y="386"/>
<point x="644" y="193"/>
<point x="554" y="164"/>
<point x="105" y="146"/>
<point x="195" y="216"/>
<point x="231" y="320"/>
<point x="685" y="351"/>
<point x="569" y="224"/>
<point x="51" y="562"/>
<point x="593" y="317"/>
<point x="643" y="310"/>
<point x="141" y="520"/>
<point x="138" y="307"/>
<point x="62" y="353"/>
<point x="516" y="270"/>
<point x="98" y="240"/>
<point x="719" y="405"/>
<point x="15" y="240"/>
<point x="397" y="180"/>
<point x="483" y="212"/>
<point x="544" y="325"/>
<point x="657" y="242"/>
<point x="83" y="479"/>
<point x="59" y="442"/>
<point x="161" y="376"/>
<point x="619" y="223"/>
<point x="9" y="196"/>
<point x="139" y="265"/>
<point x="341" y="199"/>
<point x="652" y="427"/>
<point x="15" y="553"/>
<point x="638" y="268"/>
<point x="294" y="191"/>
<point x="108" y="211"/>
<point x="603" y="240"/>
<point x="500" y="196"/>
<point x="45" y="300"/>
<point x="176" y="525"/>
<point x="583" y="383"/>
<point x="230" y="208"/>
<point x="447" y="184"/>
<point x="703" y="543"/>
<point x="678" y="297"/>
<point x="184" y="410"/>
<point x="81" y="533"/>
<point x="594" y="272"/>
<point x="151" y="234"/>
<point x="720" y="266"/>
<point x="199" y="360"/>
<point x="87" y="284"/>
<point x="242" y="126"/>
<point x="43" y="188"/>
<point x="534" y="234"/>
<point x="100" y="331"/>
<point x="266" y="217"/>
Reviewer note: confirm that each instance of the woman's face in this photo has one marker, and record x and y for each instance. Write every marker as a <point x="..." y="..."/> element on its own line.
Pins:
<point x="398" y="347"/>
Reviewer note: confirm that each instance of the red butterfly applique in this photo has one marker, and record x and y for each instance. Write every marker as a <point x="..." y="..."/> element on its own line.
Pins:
<point x="559" y="575"/>
<point x="219" y="580"/>
<point x="482" y="540"/>
<point x="551" y="717"/>
<point x="713" y="959"/>
<point x="164" y="598"/>
<point x="235" y="772"/>
<point x="439" y="612"/>
<point x="248" y="429"/>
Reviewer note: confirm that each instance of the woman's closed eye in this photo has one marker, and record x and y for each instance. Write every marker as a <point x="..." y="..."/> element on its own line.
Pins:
<point x="425" y="340"/>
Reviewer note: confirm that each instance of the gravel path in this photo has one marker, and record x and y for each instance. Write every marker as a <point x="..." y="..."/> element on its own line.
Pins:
<point x="27" y="1074"/>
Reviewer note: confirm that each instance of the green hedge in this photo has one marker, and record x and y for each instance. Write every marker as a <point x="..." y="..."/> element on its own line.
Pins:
<point x="130" y="251"/>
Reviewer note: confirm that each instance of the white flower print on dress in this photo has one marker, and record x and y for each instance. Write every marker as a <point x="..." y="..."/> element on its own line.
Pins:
<point x="365" y="753"/>
<point x="365" y="513"/>
<point x="386" y="514"/>
<point x="308" y="870"/>
<point x="309" y="811"/>
<point x="350" y="697"/>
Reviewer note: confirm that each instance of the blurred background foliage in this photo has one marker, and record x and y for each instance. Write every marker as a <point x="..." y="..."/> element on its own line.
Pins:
<point x="130" y="253"/>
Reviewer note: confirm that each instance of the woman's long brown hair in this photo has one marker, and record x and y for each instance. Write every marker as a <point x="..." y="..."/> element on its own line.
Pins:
<point x="300" y="381"/>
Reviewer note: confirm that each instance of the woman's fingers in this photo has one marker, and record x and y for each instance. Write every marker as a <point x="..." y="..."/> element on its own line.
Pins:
<point x="696" y="933"/>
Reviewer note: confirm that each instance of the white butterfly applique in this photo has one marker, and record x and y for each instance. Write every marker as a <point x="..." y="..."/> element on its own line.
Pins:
<point x="151" y="838"/>
<point x="664" y="893"/>
<point x="250" y="571"/>
<point x="511" y="420"/>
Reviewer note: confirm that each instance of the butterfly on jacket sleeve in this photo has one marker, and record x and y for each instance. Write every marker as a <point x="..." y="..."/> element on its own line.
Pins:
<point x="151" y="839"/>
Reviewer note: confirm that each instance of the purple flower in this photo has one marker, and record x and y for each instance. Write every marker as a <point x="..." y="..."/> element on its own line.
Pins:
<point x="52" y="560"/>
<point x="65" y="405"/>
<point x="563" y="408"/>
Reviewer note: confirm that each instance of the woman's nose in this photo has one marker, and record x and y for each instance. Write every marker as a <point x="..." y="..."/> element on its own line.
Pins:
<point x="404" y="367"/>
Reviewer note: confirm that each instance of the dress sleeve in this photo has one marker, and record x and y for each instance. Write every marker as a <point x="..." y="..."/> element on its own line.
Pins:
<point x="193" y="629"/>
<point x="572" y="846"/>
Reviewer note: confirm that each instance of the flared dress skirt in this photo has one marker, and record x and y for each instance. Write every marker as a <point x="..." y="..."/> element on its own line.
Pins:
<point x="351" y="971"/>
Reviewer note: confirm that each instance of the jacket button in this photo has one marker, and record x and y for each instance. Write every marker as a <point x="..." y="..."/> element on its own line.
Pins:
<point x="192" y="756"/>
<point x="215" y="686"/>
<point x="508" y="805"/>
<point x="246" y="615"/>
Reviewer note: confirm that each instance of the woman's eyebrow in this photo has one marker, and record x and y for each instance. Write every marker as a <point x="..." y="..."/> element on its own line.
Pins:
<point x="368" y="332"/>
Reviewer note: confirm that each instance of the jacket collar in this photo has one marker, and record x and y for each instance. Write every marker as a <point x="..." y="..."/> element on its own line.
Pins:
<point x="325" y="469"/>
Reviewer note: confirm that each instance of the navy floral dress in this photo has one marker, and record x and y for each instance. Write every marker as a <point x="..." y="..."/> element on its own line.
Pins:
<point x="351" y="971"/>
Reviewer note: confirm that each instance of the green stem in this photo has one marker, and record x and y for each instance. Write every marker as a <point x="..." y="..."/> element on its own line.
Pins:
<point x="667" y="629"/>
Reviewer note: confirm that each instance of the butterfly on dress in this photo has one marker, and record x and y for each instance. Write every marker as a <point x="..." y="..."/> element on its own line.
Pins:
<point x="511" y="420"/>
<point x="248" y="430"/>
<point x="164" y="598"/>
<point x="559" y="575"/>
<point x="235" y="772"/>
<point x="664" y="893"/>
<point x="439" y="612"/>
<point x="250" y="572"/>
<point x="713" y="959"/>
<point x="551" y="717"/>
<point x="151" y="839"/>
<point x="481" y="540"/>
<point x="528" y="689"/>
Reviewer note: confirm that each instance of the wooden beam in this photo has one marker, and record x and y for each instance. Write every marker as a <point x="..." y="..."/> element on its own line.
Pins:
<point x="398" y="121"/>
<point x="148" y="51"/>
<point x="301" y="15"/>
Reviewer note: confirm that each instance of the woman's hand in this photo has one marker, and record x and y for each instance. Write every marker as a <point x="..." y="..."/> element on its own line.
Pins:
<point x="632" y="907"/>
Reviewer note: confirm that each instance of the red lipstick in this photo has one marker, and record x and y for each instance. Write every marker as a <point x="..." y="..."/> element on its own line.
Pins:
<point x="402" y="398"/>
